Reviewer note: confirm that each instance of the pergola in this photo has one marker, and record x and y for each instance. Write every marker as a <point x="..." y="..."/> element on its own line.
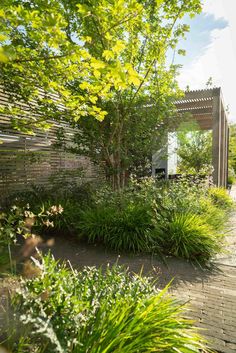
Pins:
<point x="207" y="108"/>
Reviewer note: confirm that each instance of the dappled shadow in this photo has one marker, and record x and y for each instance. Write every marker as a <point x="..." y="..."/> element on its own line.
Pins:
<point x="165" y="269"/>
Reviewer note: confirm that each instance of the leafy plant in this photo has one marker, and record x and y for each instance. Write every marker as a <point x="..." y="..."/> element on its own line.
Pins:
<point x="12" y="223"/>
<point x="187" y="236"/>
<point x="232" y="149"/>
<point x="64" y="310"/>
<point x="56" y="192"/>
<point x="213" y="215"/>
<point x="194" y="150"/>
<point x="178" y="218"/>
<point x="21" y="221"/>
<point x="71" y="196"/>
<point x="126" y="229"/>
<point x="231" y="180"/>
<point x="62" y="221"/>
<point x="220" y="197"/>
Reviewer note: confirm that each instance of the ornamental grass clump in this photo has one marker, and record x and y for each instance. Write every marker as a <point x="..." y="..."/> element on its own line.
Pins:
<point x="187" y="236"/>
<point x="177" y="218"/>
<point x="65" y="310"/>
<point x="129" y="228"/>
<point x="213" y="215"/>
<point x="220" y="198"/>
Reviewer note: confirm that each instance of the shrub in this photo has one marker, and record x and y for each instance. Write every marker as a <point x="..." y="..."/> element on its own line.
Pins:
<point x="21" y="221"/>
<point x="220" y="197"/>
<point x="215" y="216"/>
<point x="128" y="228"/>
<point x="71" y="197"/>
<point x="188" y="236"/>
<point x="89" y="311"/>
<point x="63" y="222"/>
<point x="183" y="195"/>
<point x="231" y="180"/>
<point x="147" y="215"/>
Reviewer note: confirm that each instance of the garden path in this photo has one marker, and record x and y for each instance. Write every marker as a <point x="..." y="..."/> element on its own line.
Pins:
<point x="211" y="292"/>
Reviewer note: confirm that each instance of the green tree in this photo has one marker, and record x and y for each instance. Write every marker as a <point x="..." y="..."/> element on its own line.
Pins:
<point x="93" y="59"/>
<point x="59" y="58"/>
<point x="139" y="112"/>
<point x="194" y="149"/>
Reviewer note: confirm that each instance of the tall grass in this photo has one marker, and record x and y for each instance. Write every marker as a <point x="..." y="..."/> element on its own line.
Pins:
<point x="143" y="216"/>
<point x="188" y="236"/>
<point x="64" y="310"/>
<point x="220" y="197"/>
<point x="181" y="218"/>
<point x="129" y="228"/>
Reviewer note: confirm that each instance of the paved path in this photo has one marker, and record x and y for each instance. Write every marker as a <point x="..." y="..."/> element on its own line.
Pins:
<point x="211" y="292"/>
<point x="229" y="258"/>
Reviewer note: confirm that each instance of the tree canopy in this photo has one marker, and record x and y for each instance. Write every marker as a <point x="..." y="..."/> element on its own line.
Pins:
<point x="91" y="61"/>
<point x="194" y="149"/>
<point x="81" y="51"/>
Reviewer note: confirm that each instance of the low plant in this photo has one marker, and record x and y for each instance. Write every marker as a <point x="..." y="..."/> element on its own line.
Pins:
<point x="183" y="195"/>
<point x="187" y="236"/>
<point x="148" y="215"/>
<point x="12" y="223"/>
<point x="63" y="221"/>
<point x="64" y="310"/>
<point x="231" y="180"/>
<point x="220" y="197"/>
<point x="213" y="215"/>
<point x="22" y="221"/>
<point x="71" y="196"/>
<point x="56" y="193"/>
<point x="128" y="228"/>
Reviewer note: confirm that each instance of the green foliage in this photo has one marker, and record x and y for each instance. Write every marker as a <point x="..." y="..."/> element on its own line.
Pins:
<point x="122" y="220"/>
<point x="220" y="197"/>
<point x="183" y="194"/>
<point x="187" y="236"/>
<point x="188" y="222"/>
<point x="231" y="180"/>
<point x="140" y="217"/>
<point x="83" y="53"/>
<point x="11" y="224"/>
<point x="126" y="229"/>
<point x="60" y="188"/>
<point x="194" y="150"/>
<point x="22" y="221"/>
<point x="213" y="215"/>
<point x="232" y="147"/>
<point x="64" y="310"/>
<point x="141" y="108"/>
<point x="69" y="194"/>
<point x="177" y="218"/>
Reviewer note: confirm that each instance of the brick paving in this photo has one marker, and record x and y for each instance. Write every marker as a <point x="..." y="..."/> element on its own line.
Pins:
<point x="210" y="292"/>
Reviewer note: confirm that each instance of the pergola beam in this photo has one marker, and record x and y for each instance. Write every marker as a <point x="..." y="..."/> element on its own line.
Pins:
<point x="207" y="108"/>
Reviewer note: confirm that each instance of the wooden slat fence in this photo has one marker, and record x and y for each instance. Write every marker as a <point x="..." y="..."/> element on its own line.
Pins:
<point x="26" y="160"/>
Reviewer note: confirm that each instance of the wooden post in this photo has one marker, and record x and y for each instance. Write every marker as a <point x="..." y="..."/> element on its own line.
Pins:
<point x="216" y="136"/>
<point x="227" y="153"/>
<point x="222" y="148"/>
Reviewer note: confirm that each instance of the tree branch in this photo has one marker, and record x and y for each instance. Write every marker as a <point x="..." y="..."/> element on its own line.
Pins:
<point x="43" y="58"/>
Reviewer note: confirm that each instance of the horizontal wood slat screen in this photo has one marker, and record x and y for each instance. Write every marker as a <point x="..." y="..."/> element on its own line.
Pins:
<point x="26" y="160"/>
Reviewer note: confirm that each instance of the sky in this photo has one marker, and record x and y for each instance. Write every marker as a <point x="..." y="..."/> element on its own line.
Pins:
<point x="211" y="51"/>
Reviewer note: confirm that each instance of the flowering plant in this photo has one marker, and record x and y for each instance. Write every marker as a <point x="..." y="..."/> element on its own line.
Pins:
<point x="20" y="221"/>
